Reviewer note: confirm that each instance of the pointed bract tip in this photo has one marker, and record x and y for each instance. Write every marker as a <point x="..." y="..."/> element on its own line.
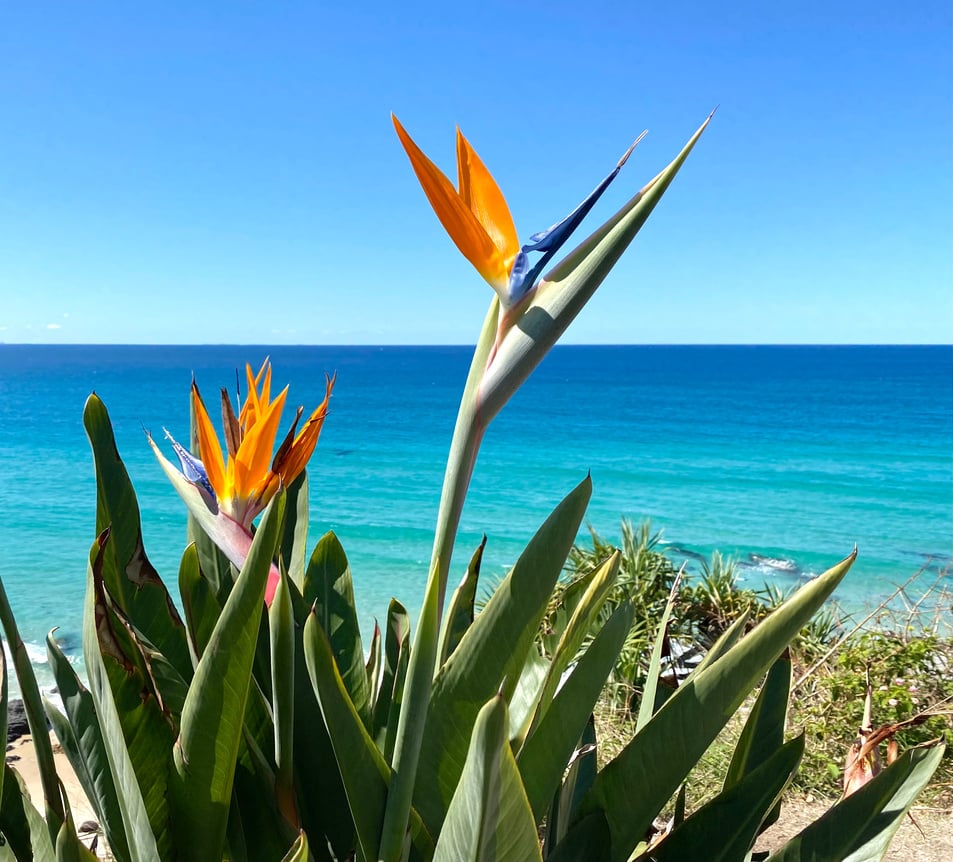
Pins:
<point x="628" y="152"/>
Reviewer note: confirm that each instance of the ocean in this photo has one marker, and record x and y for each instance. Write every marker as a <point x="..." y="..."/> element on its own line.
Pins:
<point x="780" y="457"/>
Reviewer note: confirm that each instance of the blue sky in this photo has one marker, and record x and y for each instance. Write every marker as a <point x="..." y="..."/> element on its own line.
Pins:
<point x="179" y="173"/>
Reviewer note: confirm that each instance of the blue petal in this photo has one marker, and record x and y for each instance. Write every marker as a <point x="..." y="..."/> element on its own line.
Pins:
<point x="192" y="468"/>
<point x="549" y="241"/>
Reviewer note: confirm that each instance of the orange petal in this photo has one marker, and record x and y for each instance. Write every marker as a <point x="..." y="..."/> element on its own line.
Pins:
<point x="210" y="450"/>
<point x="481" y="193"/>
<point x="458" y="220"/>
<point x="296" y="457"/>
<point x="253" y="456"/>
<point x="264" y="398"/>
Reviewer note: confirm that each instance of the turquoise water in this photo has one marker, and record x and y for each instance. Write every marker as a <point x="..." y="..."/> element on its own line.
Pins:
<point x="781" y="456"/>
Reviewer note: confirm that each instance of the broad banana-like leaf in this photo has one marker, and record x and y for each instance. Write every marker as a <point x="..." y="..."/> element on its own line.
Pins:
<point x="255" y="824"/>
<point x="322" y="803"/>
<point x="578" y="780"/>
<point x="281" y="627"/>
<point x="860" y="827"/>
<point x="329" y="590"/>
<point x="763" y="733"/>
<point x="199" y="601"/>
<point x="580" y="625"/>
<point x="459" y="616"/>
<point x="489" y="818"/>
<point x="33" y="706"/>
<point x="147" y="726"/>
<point x="362" y="767"/>
<point x="678" y="734"/>
<point x="396" y="633"/>
<point x="524" y="702"/>
<point x="491" y="656"/>
<point x="137" y="826"/>
<point x="396" y="699"/>
<point x="26" y="832"/>
<point x="82" y="741"/>
<point x="724" y="829"/>
<point x="549" y="748"/>
<point x="589" y="841"/>
<point x="293" y="548"/>
<point x="569" y="600"/>
<point x="373" y="668"/>
<point x="68" y="846"/>
<point x="132" y="580"/>
<point x="650" y="702"/>
<point x="210" y="737"/>
<point x="725" y="642"/>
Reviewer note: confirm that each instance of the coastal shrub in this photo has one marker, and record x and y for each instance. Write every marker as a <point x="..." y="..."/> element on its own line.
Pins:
<point x="257" y="724"/>
<point x="907" y="654"/>
<point x="910" y="675"/>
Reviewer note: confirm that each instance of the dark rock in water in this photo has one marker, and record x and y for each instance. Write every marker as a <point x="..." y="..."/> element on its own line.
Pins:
<point x="17" y="725"/>
<point x="16" y="721"/>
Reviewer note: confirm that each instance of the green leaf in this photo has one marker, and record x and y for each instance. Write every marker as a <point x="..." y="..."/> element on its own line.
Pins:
<point x="33" y="706"/>
<point x="763" y="733"/>
<point x="650" y="700"/>
<point x="580" y="625"/>
<point x="396" y="699"/>
<point x="589" y="841"/>
<point x="578" y="780"/>
<point x="147" y="726"/>
<point x="396" y="640"/>
<point x="860" y="827"/>
<point x="549" y="748"/>
<point x="294" y="533"/>
<point x="725" y="642"/>
<point x="671" y="744"/>
<point x="68" y="846"/>
<point x="727" y="825"/>
<point x="459" y="616"/>
<point x="489" y="818"/>
<point x="329" y="589"/>
<point x="82" y="741"/>
<point x="524" y="702"/>
<point x="212" y="719"/>
<point x="362" y="767"/>
<point x="132" y="580"/>
<point x="372" y="667"/>
<point x="281" y="627"/>
<point x="199" y="601"/>
<point x="137" y="826"/>
<point x="491" y="656"/>
<point x="26" y="832"/>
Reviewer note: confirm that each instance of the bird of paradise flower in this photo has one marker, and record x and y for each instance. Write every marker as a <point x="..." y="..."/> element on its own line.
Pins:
<point x="225" y="492"/>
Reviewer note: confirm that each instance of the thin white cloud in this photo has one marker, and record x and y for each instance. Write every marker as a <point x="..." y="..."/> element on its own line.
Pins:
<point x="53" y="326"/>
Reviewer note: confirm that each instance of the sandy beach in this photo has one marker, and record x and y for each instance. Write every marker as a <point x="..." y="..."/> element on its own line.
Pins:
<point x="22" y="757"/>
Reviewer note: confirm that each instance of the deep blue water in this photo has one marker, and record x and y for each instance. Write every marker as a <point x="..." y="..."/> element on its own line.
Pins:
<point x="789" y="453"/>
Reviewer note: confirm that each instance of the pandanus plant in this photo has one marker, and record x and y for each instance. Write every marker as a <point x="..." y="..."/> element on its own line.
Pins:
<point x="255" y="725"/>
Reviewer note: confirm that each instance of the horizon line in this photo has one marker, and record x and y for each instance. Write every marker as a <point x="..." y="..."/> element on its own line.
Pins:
<point x="470" y="345"/>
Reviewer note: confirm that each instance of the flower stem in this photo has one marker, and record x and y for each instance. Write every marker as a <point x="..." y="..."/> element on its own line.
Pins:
<point x="467" y="435"/>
